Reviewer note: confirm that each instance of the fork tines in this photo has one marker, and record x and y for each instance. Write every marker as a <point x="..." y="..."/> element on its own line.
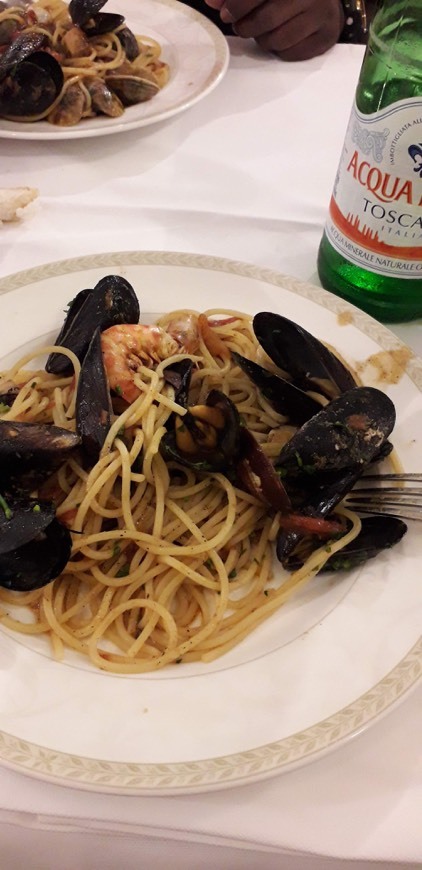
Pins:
<point x="399" y="501"/>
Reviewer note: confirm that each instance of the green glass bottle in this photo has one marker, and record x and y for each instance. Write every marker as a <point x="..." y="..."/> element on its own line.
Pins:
<point x="371" y="250"/>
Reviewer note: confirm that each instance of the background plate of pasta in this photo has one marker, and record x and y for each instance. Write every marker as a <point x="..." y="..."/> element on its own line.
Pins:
<point x="155" y="644"/>
<point x="78" y="70"/>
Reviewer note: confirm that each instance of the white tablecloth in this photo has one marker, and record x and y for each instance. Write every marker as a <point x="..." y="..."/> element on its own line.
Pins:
<point x="246" y="174"/>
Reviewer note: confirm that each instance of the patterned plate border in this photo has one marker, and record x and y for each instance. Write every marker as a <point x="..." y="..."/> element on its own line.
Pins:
<point x="264" y="761"/>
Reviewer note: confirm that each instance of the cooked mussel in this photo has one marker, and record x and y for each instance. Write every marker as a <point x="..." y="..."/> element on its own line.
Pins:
<point x="93" y="403"/>
<point x="24" y="45"/>
<point x="30" y="452"/>
<point x="31" y="86"/>
<point x="81" y="11"/>
<point x="325" y="458"/>
<point x="103" y="22"/>
<point x="34" y="545"/>
<point x="113" y="300"/>
<point x="310" y="363"/>
<point x="206" y="438"/>
<point x="378" y="533"/>
<point x="179" y="376"/>
<point x="8" y="393"/>
<point x="284" y="397"/>
<point x="86" y="14"/>
<point x="345" y="434"/>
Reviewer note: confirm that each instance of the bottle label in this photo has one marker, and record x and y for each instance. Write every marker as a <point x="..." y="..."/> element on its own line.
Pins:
<point x="375" y="216"/>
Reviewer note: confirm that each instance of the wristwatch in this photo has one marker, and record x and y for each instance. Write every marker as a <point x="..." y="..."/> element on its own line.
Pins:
<point x="355" y="25"/>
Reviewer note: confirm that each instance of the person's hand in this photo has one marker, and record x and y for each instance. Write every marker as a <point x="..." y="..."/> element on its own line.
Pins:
<point x="294" y="29"/>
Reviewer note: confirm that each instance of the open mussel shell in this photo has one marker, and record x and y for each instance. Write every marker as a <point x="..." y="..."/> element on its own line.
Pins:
<point x="38" y="562"/>
<point x="284" y="397"/>
<point x="225" y="448"/>
<point x="26" y="519"/>
<point x="20" y="49"/>
<point x="30" y="452"/>
<point x="103" y="22"/>
<point x="325" y="458"/>
<point x="93" y="403"/>
<point x="377" y="533"/>
<point x="179" y="376"/>
<point x="81" y="11"/>
<point x="31" y="87"/>
<point x="113" y="300"/>
<point x="256" y="473"/>
<point x="132" y="89"/>
<point x="346" y="434"/>
<point x="311" y="365"/>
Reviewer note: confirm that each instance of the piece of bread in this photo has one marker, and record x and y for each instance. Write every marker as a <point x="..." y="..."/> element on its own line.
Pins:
<point x="13" y="201"/>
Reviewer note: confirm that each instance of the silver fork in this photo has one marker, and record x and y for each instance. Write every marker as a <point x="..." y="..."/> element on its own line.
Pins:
<point x="402" y="501"/>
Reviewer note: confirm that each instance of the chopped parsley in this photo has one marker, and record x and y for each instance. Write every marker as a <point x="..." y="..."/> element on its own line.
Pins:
<point x="233" y="574"/>
<point x="118" y="390"/>
<point x="123" y="571"/>
<point x="36" y="509"/>
<point x="116" y="549"/>
<point x="4" y="408"/>
<point x="5" y="508"/>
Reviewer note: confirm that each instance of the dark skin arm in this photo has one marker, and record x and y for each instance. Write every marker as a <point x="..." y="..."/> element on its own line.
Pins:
<point x="293" y="29"/>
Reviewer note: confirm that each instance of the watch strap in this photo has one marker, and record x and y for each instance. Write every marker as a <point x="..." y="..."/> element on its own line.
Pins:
<point x="355" y="28"/>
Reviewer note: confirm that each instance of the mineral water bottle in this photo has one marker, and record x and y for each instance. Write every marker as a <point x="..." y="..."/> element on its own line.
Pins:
<point x="371" y="250"/>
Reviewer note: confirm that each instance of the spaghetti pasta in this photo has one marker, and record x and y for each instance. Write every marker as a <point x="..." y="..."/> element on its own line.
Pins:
<point x="101" y="73"/>
<point x="168" y="564"/>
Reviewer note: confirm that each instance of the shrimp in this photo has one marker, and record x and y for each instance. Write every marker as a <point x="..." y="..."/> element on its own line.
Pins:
<point x="127" y="347"/>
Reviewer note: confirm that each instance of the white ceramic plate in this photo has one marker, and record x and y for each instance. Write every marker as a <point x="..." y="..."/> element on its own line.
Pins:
<point x="198" y="55"/>
<point x="327" y="665"/>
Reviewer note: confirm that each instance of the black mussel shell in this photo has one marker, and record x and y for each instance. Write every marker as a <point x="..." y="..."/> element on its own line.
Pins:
<point x="20" y="49"/>
<point x="319" y="466"/>
<point x="293" y="349"/>
<point x="282" y="395"/>
<point x="179" y="377"/>
<point x="377" y="533"/>
<point x="38" y="562"/>
<point x="82" y="10"/>
<point x="257" y="475"/>
<point x="318" y="501"/>
<point x="129" y="43"/>
<point x="73" y="310"/>
<point x="93" y="403"/>
<point x="346" y="434"/>
<point x="219" y="458"/>
<point x="8" y="394"/>
<point x="32" y="86"/>
<point x="27" y="519"/>
<point x="104" y="22"/>
<point x="30" y="452"/>
<point x="113" y="300"/>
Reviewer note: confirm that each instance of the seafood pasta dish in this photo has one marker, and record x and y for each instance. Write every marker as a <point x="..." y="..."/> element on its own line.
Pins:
<point x="151" y="475"/>
<point x="63" y="63"/>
